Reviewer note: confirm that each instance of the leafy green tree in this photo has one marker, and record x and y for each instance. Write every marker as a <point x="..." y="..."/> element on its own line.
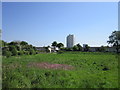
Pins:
<point x="68" y="49"/>
<point x="13" y="50"/>
<point x="6" y="53"/>
<point x="31" y="51"/>
<point x="26" y="52"/>
<point x="54" y="44"/>
<point x="79" y="47"/>
<point x="13" y="43"/>
<point x="60" y="45"/>
<point x="35" y="48"/>
<point x="75" y="48"/>
<point x="20" y="53"/>
<point x="23" y="43"/>
<point x="11" y="47"/>
<point x="4" y="44"/>
<point x="18" y="48"/>
<point x="86" y="48"/>
<point x="114" y="39"/>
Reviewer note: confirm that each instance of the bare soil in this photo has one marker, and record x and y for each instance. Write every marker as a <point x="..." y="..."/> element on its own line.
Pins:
<point x="47" y="65"/>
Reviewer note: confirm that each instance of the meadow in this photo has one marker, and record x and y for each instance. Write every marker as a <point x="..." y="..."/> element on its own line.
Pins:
<point x="88" y="70"/>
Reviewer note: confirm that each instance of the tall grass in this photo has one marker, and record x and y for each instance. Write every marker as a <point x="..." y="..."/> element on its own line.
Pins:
<point x="91" y="70"/>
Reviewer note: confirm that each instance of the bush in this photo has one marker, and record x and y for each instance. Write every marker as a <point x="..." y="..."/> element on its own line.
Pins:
<point x="6" y="53"/>
<point x="37" y="52"/>
<point x="14" y="52"/>
<point x="26" y="52"/>
<point x="20" y="53"/>
<point x="12" y="47"/>
<point x="31" y="52"/>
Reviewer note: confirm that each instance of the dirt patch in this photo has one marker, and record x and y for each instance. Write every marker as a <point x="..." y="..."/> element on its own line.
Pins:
<point x="46" y="65"/>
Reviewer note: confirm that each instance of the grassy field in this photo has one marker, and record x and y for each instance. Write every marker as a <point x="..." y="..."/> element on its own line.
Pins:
<point x="90" y="70"/>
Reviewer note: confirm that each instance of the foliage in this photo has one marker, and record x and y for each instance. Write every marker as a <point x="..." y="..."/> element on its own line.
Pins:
<point x="6" y="53"/>
<point x="54" y="44"/>
<point x="86" y="48"/>
<point x="18" y="48"/>
<point x="68" y="49"/>
<point x="23" y="43"/>
<point x="26" y="52"/>
<point x="4" y="43"/>
<point x="114" y="39"/>
<point x="20" y="53"/>
<point x="79" y="47"/>
<point x="75" y="48"/>
<point x="14" y="52"/>
<point x="60" y="45"/>
<point x="32" y="51"/>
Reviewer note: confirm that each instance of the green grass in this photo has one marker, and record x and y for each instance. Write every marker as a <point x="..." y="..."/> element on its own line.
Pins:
<point x="87" y="73"/>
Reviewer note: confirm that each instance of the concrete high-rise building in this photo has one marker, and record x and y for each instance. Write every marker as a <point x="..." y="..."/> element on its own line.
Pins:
<point x="70" y="41"/>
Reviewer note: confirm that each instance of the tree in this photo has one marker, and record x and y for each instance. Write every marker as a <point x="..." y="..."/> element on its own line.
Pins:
<point x="18" y="48"/>
<point x="86" y="48"/>
<point x="23" y="43"/>
<point x="114" y="39"/>
<point x="46" y="48"/>
<point x="4" y="44"/>
<point x="54" y="44"/>
<point x="35" y="48"/>
<point x="102" y="48"/>
<point x="31" y="52"/>
<point x="13" y="43"/>
<point x="75" y="48"/>
<point x="79" y="47"/>
<point x="13" y="50"/>
<point x="20" y="53"/>
<point x="6" y="53"/>
<point x="60" y="45"/>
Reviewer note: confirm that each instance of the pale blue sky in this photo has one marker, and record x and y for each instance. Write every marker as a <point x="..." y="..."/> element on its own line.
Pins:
<point x="42" y="23"/>
<point x="0" y="15"/>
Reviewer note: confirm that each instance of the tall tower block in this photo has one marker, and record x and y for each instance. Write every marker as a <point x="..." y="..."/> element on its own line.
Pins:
<point x="70" y="41"/>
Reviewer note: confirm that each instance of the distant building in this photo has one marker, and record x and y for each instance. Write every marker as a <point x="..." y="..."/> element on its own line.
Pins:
<point x="40" y="48"/>
<point x="51" y="49"/>
<point x="107" y="49"/>
<point x="70" y="41"/>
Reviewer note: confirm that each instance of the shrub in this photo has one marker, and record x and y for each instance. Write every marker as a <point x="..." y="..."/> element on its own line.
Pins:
<point x="20" y="53"/>
<point x="31" y="52"/>
<point x="37" y="52"/>
<point x="11" y="47"/>
<point x="14" y="52"/>
<point x="26" y="52"/>
<point x="7" y="53"/>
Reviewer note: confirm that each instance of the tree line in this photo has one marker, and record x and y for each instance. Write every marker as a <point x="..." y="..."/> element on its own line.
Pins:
<point x="76" y="47"/>
<point x="114" y="40"/>
<point x="16" y="48"/>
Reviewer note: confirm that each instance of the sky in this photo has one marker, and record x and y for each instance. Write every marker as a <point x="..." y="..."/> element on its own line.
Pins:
<point x="0" y="15"/>
<point x="41" y="23"/>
